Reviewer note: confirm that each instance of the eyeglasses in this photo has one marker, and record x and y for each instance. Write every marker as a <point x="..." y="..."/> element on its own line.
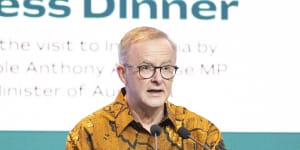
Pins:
<point x="147" y="71"/>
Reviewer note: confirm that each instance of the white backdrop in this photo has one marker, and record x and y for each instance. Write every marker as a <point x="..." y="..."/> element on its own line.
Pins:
<point x="241" y="73"/>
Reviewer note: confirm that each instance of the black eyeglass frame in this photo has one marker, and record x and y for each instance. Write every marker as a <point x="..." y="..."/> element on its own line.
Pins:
<point x="154" y="70"/>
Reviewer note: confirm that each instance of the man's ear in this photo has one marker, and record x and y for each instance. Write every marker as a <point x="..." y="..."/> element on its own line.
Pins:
<point x="121" y="70"/>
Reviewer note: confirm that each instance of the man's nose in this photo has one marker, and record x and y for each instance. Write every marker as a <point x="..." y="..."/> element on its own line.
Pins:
<point x="157" y="75"/>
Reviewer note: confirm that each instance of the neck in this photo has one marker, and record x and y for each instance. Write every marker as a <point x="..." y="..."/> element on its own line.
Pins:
<point x="148" y="116"/>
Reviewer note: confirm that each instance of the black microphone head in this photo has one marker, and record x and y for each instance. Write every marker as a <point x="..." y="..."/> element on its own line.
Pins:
<point x="184" y="132"/>
<point x="155" y="130"/>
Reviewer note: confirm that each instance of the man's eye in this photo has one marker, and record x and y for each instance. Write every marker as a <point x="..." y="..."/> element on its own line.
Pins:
<point x="146" y="67"/>
<point x="166" y="67"/>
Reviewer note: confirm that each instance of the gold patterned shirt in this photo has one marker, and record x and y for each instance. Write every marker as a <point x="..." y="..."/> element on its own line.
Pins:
<point x="113" y="128"/>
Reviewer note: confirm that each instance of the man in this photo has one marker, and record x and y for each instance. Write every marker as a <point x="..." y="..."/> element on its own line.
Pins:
<point x="147" y="67"/>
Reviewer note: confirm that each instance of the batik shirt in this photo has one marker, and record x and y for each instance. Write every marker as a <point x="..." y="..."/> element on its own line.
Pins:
<point x="113" y="128"/>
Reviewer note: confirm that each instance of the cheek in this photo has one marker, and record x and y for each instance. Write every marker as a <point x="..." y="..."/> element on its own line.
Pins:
<point x="169" y="86"/>
<point x="135" y="83"/>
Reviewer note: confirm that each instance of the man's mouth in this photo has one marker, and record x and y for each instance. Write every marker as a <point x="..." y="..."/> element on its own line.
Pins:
<point x="154" y="91"/>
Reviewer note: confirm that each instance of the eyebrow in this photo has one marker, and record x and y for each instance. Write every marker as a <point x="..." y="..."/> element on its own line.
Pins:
<point x="163" y="63"/>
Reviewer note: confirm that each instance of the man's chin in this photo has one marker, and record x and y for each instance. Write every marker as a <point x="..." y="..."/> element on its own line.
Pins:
<point x="156" y="103"/>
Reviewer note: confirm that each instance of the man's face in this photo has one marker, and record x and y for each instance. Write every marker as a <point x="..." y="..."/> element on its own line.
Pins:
<point x="152" y="92"/>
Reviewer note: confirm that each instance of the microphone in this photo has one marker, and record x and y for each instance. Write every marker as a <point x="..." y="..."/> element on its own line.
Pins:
<point x="185" y="134"/>
<point x="155" y="131"/>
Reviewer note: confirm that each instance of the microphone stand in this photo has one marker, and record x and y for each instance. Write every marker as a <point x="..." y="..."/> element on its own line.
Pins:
<point x="155" y="130"/>
<point x="198" y="143"/>
<point x="156" y="144"/>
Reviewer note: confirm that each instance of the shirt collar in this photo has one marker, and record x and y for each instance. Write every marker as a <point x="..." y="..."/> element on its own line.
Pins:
<point x="170" y="114"/>
<point x="123" y="115"/>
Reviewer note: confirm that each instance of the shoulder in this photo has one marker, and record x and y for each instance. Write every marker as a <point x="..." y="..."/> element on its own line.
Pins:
<point x="188" y="117"/>
<point x="95" y="118"/>
<point x="200" y="127"/>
